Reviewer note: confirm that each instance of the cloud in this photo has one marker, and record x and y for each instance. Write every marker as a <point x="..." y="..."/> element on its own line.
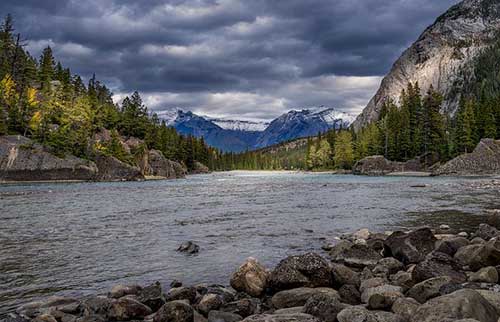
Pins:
<point x="234" y="58"/>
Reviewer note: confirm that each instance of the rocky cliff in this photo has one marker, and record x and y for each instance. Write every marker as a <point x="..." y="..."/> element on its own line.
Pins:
<point x="439" y="55"/>
<point x="377" y="165"/>
<point x="484" y="160"/>
<point x="23" y="160"/>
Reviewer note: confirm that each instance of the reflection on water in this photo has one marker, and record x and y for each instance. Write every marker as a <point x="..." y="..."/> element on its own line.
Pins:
<point x="83" y="238"/>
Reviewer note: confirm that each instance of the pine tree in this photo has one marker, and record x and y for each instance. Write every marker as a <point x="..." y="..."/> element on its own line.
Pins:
<point x="433" y="124"/>
<point x="344" y="154"/>
<point x="46" y="73"/>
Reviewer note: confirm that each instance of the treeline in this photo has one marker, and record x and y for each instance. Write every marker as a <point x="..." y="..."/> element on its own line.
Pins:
<point x="43" y="100"/>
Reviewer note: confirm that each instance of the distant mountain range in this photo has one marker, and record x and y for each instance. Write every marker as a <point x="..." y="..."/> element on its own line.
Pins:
<point x="238" y="135"/>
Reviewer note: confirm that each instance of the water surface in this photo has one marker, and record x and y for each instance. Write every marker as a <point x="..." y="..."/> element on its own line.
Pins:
<point x="81" y="238"/>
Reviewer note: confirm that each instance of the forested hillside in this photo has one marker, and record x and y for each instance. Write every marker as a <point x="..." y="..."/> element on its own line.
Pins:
<point x="43" y="100"/>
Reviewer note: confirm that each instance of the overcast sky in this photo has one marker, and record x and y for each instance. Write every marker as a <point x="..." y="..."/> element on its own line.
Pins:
<point x="247" y="59"/>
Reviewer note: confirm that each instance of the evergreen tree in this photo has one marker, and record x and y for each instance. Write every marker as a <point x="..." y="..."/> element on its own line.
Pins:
<point x="46" y="73"/>
<point x="433" y="123"/>
<point x="344" y="154"/>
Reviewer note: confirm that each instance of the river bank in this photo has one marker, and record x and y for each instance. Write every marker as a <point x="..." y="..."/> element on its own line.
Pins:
<point x="421" y="275"/>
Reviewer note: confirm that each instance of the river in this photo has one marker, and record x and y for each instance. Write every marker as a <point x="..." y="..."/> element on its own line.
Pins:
<point x="81" y="238"/>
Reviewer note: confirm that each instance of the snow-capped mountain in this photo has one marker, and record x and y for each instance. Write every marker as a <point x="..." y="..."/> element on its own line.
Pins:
<point x="238" y="136"/>
<point x="238" y="125"/>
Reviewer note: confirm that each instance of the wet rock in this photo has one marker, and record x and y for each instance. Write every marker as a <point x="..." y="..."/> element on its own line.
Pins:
<point x="251" y="278"/>
<point x="478" y="256"/>
<point x="53" y="303"/>
<point x="494" y="218"/>
<point x="438" y="264"/>
<point x="412" y="247"/>
<point x="309" y="270"/>
<point x="175" y="311"/>
<point x="243" y="307"/>
<point x="381" y="297"/>
<point x="405" y="307"/>
<point x="197" y="317"/>
<point x="298" y="296"/>
<point x="344" y="275"/>
<point x="125" y="309"/>
<point x="297" y="317"/>
<point x="45" y="318"/>
<point x="463" y="234"/>
<point x="461" y="304"/>
<point x="485" y="275"/>
<point x="208" y="303"/>
<point x="487" y="232"/>
<point x="339" y="248"/>
<point x="181" y="293"/>
<point x="189" y="247"/>
<point x="428" y="289"/>
<point x="290" y="310"/>
<point x="360" y="314"/>
<point x="358" y="255"/>
<point x="121" y="290"/>
<point x="477" y="240"/>
<point x="324" y="306"/>
<point x="451" y="245"/>
<point x="349" y="294"/>
<point x="219" y="316"/>
<point x="152" y="296"/>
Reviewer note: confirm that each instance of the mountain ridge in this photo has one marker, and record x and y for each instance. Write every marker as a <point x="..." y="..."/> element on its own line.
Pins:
<point x="239" y="136"/>
<point x="438" y="56"/>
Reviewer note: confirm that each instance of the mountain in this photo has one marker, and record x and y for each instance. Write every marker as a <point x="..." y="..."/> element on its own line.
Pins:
<point x="297" y="124"/>
<point x="238" y="136"/>
<point x="440" y="56"/>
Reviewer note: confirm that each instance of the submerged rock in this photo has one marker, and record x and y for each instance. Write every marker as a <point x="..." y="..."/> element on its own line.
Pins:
<point x="189" y="247"/>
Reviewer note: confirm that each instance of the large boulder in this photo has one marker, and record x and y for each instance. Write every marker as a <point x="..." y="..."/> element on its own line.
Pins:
<point x="487" y="232"/>
<point x="324" y="306"/>
<point x="477" y="256"/>
<point x="175" y="311"/>
<point x="358" y="256"/>
<point x="410" y="247"/>
<point x="21" y="159"/>
<point x="159" y="166"/>
<point x="484" y="160"/>
<point x="299" y="296"/>
<point x="308" y="270"/>
<point x="112" y="169"/>
<point x="152" y="296"/>
<point x="438" y="264"/>
<point x="199" y="168"/>
<point x="381" y="297"/>
<point x="251" y="277"/>
<point x="462" y="304"/>
<point x="429" y="288"/>
<point x="376" y="165"/>
<point x="125" y="309"/>
<point x="343" y="275"/>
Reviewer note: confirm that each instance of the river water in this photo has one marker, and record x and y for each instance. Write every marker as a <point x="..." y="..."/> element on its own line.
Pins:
<point x="81" y="238"/>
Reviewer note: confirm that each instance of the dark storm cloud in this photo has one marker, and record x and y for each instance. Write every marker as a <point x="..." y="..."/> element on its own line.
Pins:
<point x="252" y="59"/>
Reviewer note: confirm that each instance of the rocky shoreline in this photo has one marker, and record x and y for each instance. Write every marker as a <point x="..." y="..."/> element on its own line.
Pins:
<point x="422" y="275"/>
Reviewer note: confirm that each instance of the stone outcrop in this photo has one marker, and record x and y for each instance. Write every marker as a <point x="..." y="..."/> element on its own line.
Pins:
<point x="199" y="168"/>
<point x="21" y="159"/>
<point x="112" y="169"/>
<point x="439" y="55"/>
<point x="159" y="166"/>
<point x="377" y="165"/>
<point x="484" y="160"/>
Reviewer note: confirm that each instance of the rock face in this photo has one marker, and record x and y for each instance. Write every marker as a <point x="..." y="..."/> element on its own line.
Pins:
<point x="23" y="160"/>
<point x="159" y="166"/>
<point x="377" y="165"/>
<point x="112" y="169"/>
<point x="439" y="54"/>
<point x="484" y="160"/>
<point x="199" y="168"/>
